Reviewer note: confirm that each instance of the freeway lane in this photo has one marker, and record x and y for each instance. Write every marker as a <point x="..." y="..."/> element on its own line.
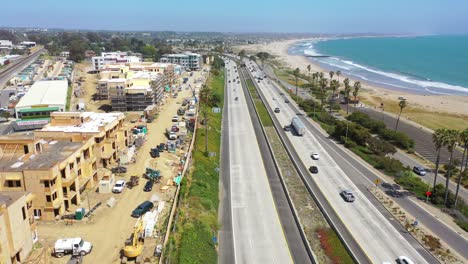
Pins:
<point x="256" y="229"/>
<point x="379" y="239"/>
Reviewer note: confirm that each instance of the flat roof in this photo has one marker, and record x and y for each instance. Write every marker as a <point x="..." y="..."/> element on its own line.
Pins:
<point x="8" y="198"/>
<point x="95" y="120"/>
<point x="45" y="93"/>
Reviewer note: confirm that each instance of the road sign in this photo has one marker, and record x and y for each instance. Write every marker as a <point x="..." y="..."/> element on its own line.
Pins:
<point x="377" y="181"/>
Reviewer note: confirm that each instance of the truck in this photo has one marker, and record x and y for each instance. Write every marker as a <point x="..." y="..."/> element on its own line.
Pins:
<point x="74" y="246"/>
<point x="298" y="126"/>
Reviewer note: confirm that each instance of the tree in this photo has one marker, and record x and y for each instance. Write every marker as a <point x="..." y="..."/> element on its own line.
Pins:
<point x="438" y="139"/>
<point x="77" y="50"/>
<point x="357" y="87"/>
<point x="242" y="54"/>
<point x="308" y="69"/>
<point x="463" y="138"/>
<point x="6" y="115"/>
<point x="148" y="51"/>
<point x="263" y="56"/>
<point x="402" y="104"/>
<point x="450" y="139"/>
<point x="331" y="73"/>
<point x="252" y="57"/>
<point x="338" y="73"/>
<point x="347" y="92"/>
<point x="323" y="90"/>
<point x="296" y="75"/>
<point x="334" y="85"/>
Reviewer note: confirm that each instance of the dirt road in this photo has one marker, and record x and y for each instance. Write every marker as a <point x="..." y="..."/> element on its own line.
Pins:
<point x="108" y="228"/>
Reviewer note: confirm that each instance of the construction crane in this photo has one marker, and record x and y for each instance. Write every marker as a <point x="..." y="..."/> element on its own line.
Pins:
<point x="134" y="245"/>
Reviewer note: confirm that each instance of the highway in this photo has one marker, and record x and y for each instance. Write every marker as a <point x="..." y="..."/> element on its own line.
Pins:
<point x="257" y="233"/>
<point x="19" y="65"/>
<point x="367" y="223"/>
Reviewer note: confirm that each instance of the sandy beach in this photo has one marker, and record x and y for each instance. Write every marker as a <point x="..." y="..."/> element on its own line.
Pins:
<point x="371" y="94"/>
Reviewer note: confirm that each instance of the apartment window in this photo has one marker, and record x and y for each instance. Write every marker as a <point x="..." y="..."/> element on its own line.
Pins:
<point x="72" y="165"/>
<point x="78" y="160"/>
<point x="23" y="210"/>
<point x="46" y="184"/>
<point x="79" y="172"/>
<point x="13" y="183"/>
<point x="48" y="198"/>
<point x="54" y="196"/>
<point x="63" y="173"/>
<point x="26" y="149"/>
<point x="86" y="153"/>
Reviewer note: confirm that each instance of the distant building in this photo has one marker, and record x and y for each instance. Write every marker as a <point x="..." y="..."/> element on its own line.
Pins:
<point x="113" y="57"/>
<point x="17" y="227"/>
<point x="28" y="44"/>
<point x="5" y="45"/>
<point x="65" y="54"/>
<point x="186" y="60"/>
<point x="43" y="98"/>
<point x="55" y="172"/>
<point x="90" y="53"/>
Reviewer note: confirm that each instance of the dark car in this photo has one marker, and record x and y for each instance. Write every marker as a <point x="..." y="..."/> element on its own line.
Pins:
<point x="148" y="186"/>
<point x="313" y="169"/>
<point x="142" y="209"/>
<point x="287" y="128"/>
<point x="119" y="169"/>
<point x="281" y="93"/>
<point x="277" y="110"/>
<point x="286" y="101"/>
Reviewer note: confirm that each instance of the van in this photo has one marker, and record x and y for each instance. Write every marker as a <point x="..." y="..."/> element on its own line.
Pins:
<point x="142" y="209"/>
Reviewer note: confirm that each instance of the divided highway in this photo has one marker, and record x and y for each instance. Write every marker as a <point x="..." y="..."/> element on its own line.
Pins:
<point x="256" y="230"/>
<point x="375" y="231"/>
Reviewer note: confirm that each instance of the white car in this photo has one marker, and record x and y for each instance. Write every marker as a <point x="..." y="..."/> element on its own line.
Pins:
<point x="404" y="260"/>
<point x="119" y="186"/>
<point x="315" y="156"/>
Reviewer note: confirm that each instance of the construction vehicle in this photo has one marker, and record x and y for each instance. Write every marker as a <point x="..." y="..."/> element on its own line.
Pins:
<point x="74" y="246"/>
<point x="152" y="174"/>
<point x="134" y="245"/>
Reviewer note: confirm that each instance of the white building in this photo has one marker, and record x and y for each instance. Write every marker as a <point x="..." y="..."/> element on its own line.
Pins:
<point x="43" y="98"/>
<point x="6" y="44"/>
<point x="28" y="44"/>
<point x="113" y="57"/>
<point x="187" y="60"/>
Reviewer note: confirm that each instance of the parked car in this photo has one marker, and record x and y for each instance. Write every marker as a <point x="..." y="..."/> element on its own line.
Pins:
<point x="119" y="186"/>
<point x="148" y="186"/>
<point x="313" y="169"/>
<point x="75" y="246"/>
<point x="287" y="128"/>
<point x="175" y="118"/>
<point x="142" y="209"/>
<point x="348" y="196"/>
<point x="119" y="169"/>
<point x="404" y="260"/>
<point x="419" y="170"/>
<point x="315" y="156"/>
<point x="277" y="110"/>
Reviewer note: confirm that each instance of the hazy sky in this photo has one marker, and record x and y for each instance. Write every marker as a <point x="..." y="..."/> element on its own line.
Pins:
<point x="322" y="16"/>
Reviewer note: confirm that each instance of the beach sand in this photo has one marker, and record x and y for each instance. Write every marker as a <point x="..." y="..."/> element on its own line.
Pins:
<point x="371" y="94"/>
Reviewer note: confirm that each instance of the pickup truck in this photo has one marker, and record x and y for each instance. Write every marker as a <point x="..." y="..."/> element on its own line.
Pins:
<point x="74" y="246"/>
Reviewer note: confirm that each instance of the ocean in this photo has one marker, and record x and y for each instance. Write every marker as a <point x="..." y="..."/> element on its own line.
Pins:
<point x="421" y="65"/>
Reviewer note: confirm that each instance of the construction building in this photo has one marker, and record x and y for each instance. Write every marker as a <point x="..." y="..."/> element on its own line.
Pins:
<point x="187" y="60"/>
<point x="18" y="230"/>
<point x="113" y="57"/>
<point x="108" y="131"/>
<point x="56" y="172"/>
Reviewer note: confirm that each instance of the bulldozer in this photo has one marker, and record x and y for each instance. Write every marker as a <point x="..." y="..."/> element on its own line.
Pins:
<point x="134" y="245"/>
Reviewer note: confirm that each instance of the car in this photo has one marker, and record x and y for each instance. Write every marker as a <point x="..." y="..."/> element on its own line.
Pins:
<point x="119" y="169"/>
<point x="281" y="93"/>
<point x="148" y="186"/>
<point x="118" y="186"/>
<point x="286" y="101"/>
<point x="133" y="121"/>
<point x="315" y="156"/>
<point x="277" y="110"/>
<point x="404" y="260"/>
<point x="274" y="98"/>
<point x="175" y="118"/>
<point x="142" y="209"/>
<point x="238" y="81"/>
<point x="419" y="170"/>
<point x="287" y="128"/>
<point x="313" y="169"/>
<point x="229" y="81"/>
<point x="348" y="196"/>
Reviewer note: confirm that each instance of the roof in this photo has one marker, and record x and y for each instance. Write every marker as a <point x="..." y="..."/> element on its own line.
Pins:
<point x="39" y="109"/>
<point x="95" y="120"/>
<point x="8" y="198"/>
<point x="45" y="93"/>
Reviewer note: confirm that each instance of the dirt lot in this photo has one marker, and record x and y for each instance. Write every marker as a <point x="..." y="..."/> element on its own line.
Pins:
<point x="88" y="88"/>
<point x="108" y="228"/>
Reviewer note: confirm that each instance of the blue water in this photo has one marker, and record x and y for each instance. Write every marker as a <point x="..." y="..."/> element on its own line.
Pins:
<point x="423" y="65"/>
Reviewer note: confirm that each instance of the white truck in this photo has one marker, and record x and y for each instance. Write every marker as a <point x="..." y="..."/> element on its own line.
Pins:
<point x="74" y="246"/>
<point x="298" y="126"/>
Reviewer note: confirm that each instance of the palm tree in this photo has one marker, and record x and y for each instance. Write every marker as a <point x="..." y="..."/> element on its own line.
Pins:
<point x="402" y="104"/>
<point x="464" y="141"/>
<point x="438" y="138"/>
<point x="308" y="68"/>
<point x="338" y="73"/>
<point x="334" y="85"/>
<point x="314" y="79"/>
<point x="451" y="138"/>
<point x="323" y="89"/>
<point x="296" y="75"/>
<point x="331" y="73"/>
<point x="357" y="86"/>
<point x="347" y="91"/>
<point x="320" y="75"/>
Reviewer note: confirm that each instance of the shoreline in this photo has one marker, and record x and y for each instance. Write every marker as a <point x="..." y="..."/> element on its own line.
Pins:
<point x="372" y="94"/>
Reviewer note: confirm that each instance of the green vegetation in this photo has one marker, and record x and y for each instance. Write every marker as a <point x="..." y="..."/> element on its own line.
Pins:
<point x="261" y="109"/>
<point x="332" y="246"/>
<point x="288" y="77"/>
<point x="69" y="95"/>
<point x="198" y="210"/>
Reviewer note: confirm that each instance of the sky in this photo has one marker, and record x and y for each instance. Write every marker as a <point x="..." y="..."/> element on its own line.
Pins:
<point x="304" y="16"/>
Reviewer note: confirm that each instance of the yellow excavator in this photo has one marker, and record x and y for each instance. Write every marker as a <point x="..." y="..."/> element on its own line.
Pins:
<point x="134" y="245"/>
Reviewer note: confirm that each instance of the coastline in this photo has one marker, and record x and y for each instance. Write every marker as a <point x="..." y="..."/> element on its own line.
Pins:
<point x="371" y="94"/>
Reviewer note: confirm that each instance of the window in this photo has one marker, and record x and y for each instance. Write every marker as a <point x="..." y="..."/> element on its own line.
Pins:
<point x="79" y="172"/>
<point x="63" y="173"/>
<point x="54" y="196"/>
<point x="13" y="183"/>
<point x="48" y="198"/>
<point x="46" y="184"/>
<point x="86" y="153"/>
<point x="23" y="209"/>
<point x="72" y="165"/>
<point x="78" y="160"/>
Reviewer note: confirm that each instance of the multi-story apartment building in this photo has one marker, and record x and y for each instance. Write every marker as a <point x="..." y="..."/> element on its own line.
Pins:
<point x="112" y="57"/>
<point x="55" y="172"/>
<point x="18" y="230"/>
<point x="108" y="131"/>
<point x="186" y="60"/>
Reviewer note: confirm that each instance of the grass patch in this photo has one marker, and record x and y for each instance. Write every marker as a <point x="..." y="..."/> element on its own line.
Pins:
<point x="261" y="109"/>
<point x="198" y="213"/>
<point x="283" y="75"/>
<point x="332" y="246"/>
<point x="69" y="94"/>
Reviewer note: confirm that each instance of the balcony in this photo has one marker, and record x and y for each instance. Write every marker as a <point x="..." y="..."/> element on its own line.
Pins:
<point x="68" y="195"/>
<point x="54" y="204"/>
<point x="69" y="181"/>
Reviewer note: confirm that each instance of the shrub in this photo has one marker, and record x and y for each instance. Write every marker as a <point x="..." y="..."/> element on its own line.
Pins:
<point x="413" y="184"/>
<point x="326" y="118"/>
<point x="399" y="139"/>
<point x="367" y="122"/>
<point x="463" y="225"/>
<point x="389" y="165"/>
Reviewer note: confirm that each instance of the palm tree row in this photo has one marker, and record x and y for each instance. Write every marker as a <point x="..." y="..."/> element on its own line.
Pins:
<point x="450" y="138"/>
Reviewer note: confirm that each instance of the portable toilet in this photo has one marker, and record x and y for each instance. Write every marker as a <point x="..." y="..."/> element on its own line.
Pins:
<point x="79" y="213"/>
